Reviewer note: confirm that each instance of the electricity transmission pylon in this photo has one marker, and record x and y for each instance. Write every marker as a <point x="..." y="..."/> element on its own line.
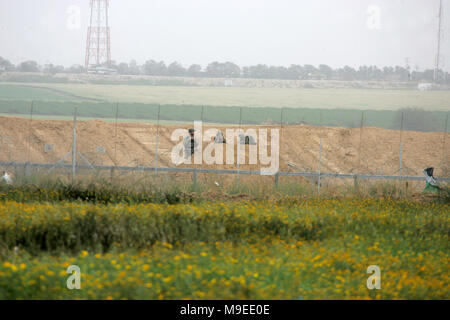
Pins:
<point x="98" y="43"/>
<point x="438" y="55"/>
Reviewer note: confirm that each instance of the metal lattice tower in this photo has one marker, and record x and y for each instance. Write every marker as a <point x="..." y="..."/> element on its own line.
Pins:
<point x="438" y="55"/>
<point x="98" y="44"/>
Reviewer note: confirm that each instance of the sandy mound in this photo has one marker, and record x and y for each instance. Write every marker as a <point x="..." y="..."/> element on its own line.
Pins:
<point x="372" y="151"/>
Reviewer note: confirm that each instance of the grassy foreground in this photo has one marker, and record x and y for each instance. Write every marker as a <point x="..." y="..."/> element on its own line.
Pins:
<point x="285" y="249"/>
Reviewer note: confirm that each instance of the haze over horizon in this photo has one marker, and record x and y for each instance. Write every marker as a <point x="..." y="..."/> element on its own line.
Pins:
<point x="282" y="32"/>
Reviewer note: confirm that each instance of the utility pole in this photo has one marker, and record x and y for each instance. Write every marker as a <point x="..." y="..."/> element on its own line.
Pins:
<point x="438" y="55"/>
<point x="408" y="68"/>
<point x="238" y="156"/>
<point x="157" y="139"/>
<point x="401" y="146"/>
<point x="74" y="144"/>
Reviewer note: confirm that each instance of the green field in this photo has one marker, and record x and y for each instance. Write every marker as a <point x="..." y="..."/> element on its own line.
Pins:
<point x="131" y="112"/>
<point x="331" y="107"/>
<point x="359" y="99"/>
<point x="12" y="92"/>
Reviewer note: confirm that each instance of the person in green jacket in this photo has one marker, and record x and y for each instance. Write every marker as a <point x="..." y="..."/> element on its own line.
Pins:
<point x="431" y="184"/>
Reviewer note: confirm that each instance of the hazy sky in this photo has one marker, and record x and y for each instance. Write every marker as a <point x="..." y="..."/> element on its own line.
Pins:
<point x="247" y="32"/>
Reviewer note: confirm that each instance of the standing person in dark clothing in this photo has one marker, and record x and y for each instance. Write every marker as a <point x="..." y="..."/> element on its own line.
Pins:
<point x="190" y="144"/>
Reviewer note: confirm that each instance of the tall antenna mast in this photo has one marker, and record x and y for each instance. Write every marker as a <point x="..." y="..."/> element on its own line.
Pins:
<point x="98" y="43"/>
<point x="438" y="55"/>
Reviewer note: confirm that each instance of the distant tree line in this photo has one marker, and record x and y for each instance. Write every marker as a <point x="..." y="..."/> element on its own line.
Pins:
<point x="231" y="70"/>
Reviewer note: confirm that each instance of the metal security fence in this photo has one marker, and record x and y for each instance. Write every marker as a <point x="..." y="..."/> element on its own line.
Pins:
<point x="136" y="138"/>
<point x="27" y="167"/>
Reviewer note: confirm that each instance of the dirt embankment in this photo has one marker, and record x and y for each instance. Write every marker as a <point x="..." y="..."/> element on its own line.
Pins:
<point x="370" y="151"/>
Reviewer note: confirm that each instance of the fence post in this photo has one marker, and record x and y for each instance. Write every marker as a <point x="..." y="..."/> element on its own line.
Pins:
<point x="401" y="146"/>
<point x="194" y="177"/>
<point x="29" y="131"/>
<point x="112" y="174"/>
<point x="360" y="141"/>
<point x="401" y="152"/>
<point x="115" y="134"/>
<point x="115" y="142"/>
<point x="157" y="140"/>
<point x="281" y="129"/>
<point x="27" y="169"/>
<point x="355" y="182"/>
<point x="320" y="160"/>
<point x="74" y="145"/>
<point x="320" y="156"/>
<point x="276" y="179"/>
<point x="444" y="152"/>
<point x="238" y="156"/>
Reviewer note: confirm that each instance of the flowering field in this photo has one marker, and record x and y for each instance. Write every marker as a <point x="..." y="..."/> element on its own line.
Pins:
<point x="287" y="249"/>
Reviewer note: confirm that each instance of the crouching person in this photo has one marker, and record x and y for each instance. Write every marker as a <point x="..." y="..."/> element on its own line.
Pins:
<point x="219" y="138"/>
<point x="431" y="184"/>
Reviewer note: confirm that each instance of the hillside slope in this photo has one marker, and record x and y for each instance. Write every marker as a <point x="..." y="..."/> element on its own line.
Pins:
<point x="372" y="151"/>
